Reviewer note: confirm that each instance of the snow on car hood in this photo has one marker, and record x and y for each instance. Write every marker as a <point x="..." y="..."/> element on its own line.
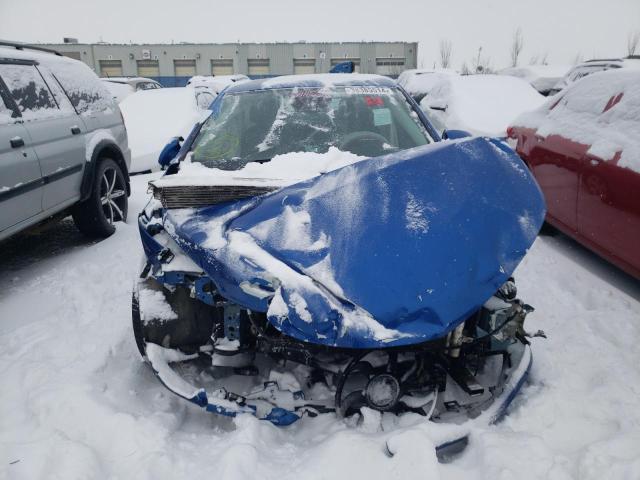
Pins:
<point x="391" y="251"/>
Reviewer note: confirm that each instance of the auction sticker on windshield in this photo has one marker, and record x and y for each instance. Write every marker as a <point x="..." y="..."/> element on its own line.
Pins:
<point x="367" y="91"/>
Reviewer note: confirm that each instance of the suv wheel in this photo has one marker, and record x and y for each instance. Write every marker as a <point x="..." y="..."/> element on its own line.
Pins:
<point x="107" y="203"/>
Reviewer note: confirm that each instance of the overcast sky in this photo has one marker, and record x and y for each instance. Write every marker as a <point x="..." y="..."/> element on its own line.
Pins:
<point x="563" y="29"/>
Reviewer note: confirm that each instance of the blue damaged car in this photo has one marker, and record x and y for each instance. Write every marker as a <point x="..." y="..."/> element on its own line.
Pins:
<point x="315" y="247"/>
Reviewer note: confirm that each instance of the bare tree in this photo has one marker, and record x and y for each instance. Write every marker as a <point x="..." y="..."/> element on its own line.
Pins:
<point x="578" y="58"/>
<point x="445" y="53"/>
<point x="632" y="42"/>
<point x="516" y="46"/>
<point x="545" y="59"/>
<point x="534" y="59"/>
<point x="481" y="64"/>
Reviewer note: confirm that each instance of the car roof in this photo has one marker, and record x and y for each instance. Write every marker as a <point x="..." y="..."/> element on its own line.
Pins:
<point x="313" y="81"/>
<point x="25" y="53"/>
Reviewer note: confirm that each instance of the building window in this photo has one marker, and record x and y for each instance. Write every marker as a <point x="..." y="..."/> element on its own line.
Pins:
<point x="74" y="55"/>
<point x="389" y="65"/>
<point x="304" y="65"/>
<point x="184" y="67"/>
<point x="222" y="66"/>
<point x="110" y="68"/>
<point x="258" y="66"/>
<point x="148" y="68"/>
<point x="356" y="62"/>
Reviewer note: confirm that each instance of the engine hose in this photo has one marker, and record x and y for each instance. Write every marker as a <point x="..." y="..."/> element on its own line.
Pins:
<point x="433" y="405"/>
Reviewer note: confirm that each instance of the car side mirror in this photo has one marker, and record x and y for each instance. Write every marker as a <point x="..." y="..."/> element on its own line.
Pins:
<point x="170" y="151"/>
<point x="455" y="134"/>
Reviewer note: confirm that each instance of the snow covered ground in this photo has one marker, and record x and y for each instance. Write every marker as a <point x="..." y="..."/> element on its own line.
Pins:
<point x="77" y="402"/>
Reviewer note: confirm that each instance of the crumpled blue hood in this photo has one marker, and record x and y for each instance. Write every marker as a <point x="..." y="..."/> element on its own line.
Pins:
<point x="389" y="251"/>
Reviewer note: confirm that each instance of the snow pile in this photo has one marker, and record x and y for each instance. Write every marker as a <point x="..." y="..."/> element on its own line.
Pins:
<point x="280" y="171"/>
<point x="541" y="77"/>
<point x="601" y="110"/>
<point x="153" y="117"/>
<point x="484" y="105"/>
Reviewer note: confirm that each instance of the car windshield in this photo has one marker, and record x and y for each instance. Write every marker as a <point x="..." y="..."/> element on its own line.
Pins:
<point x="256" y="126"/>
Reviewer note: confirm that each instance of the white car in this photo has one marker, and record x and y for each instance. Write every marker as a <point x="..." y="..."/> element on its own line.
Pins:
<point x="153" y="117"/>
<point x="593" y="66"/>
<point x="483" y="105"/>
<point x="122" y="87"/>
<point x="541" y="77"/>
<point x="418" y="83"/>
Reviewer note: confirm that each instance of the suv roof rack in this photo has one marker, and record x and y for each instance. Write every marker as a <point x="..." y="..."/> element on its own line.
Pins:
<point x="22" y="46"/>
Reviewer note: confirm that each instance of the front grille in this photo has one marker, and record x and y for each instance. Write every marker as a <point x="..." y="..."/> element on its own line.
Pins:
<point x="191" y="196"/>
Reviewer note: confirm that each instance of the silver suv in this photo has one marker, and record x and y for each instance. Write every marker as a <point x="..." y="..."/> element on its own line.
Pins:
<point x="63" y="144"/>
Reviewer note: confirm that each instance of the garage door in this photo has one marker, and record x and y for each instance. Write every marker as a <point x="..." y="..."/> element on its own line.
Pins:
<point x="110" y="68"/>
<point x="389" y="66"/>
<point x="222" y="66"/>
<point x="258" y="66"/>
<point x="148" y="68"/>
<point x="304" y="65"/>
<point x="184" y="68"/>
<point x="356" y="62"/>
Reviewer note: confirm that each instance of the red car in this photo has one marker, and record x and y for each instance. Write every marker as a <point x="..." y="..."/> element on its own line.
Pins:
<point x="583" y="146"/>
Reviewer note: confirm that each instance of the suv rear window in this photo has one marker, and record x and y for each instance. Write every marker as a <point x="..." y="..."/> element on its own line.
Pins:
<point x="29" y="91"/>
<point x="84" y="89"/>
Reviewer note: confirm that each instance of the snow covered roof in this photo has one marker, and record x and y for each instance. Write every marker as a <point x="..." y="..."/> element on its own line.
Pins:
<point x="422" y="81"/>
<point x="541" y="77"/>
<point x="37" y="55"/>
<point x="483" y="105"/>
<point x="318" y="80"/>
<point x="601" y="110"/>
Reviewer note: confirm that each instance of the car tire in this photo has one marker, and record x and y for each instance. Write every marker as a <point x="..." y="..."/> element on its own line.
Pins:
<point x="107" y="203"/>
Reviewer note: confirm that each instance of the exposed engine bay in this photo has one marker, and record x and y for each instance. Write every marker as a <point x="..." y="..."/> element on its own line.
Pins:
<point x="237" y="360"/>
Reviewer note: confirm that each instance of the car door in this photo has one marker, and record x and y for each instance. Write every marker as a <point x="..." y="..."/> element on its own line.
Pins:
<point x="20" y="175"/>
<point x="55" y="130"/>
<point x="609" y="199"/>
<point x="556" y="163"/>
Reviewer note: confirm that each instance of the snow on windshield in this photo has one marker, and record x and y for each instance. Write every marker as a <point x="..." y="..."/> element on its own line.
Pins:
<point x="601" y="110"/>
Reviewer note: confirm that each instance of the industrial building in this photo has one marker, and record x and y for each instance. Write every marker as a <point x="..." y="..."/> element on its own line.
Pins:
<point x="173" y="64"/>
